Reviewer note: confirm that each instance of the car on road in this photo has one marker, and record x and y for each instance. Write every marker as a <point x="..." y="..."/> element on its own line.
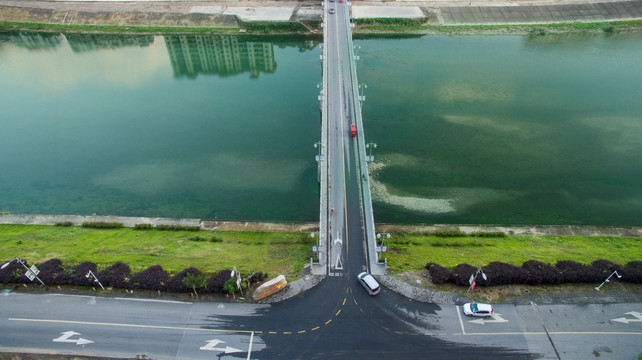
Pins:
<point x="369" y="283"/>
<point x="353" y="130"/>
<point x="331" y="11"/>
<point x="477" y="309"/>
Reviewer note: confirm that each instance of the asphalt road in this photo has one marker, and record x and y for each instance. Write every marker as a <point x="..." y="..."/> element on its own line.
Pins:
<point x="336" y="319"/>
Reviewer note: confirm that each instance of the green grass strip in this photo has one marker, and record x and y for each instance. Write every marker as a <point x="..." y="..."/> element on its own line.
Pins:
<point x="413" y="251"/>
<point x="271" y="252"/>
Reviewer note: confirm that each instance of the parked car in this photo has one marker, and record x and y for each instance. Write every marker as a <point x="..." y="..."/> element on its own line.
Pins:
<point x="478" y="309"/>
<point x="331" y="11"/>
<point x="369" y="283"/>
<point x="353" y="130"/>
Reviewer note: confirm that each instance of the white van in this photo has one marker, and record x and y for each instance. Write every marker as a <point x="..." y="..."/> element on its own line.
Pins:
<point x="369" y="283"/>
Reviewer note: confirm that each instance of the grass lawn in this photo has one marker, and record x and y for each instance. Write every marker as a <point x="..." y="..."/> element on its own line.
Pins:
<point x="286" y="253"/>
<point x="413" y="251"/>
<point x="272" y="252"/>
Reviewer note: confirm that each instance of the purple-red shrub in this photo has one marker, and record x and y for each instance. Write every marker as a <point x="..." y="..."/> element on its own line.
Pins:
<point x="152" y="278"/>
<point x="117" y="275"/>
<point x="438" y="274"/>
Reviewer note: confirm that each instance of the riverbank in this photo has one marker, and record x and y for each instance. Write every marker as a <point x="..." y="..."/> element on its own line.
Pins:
<point x="278" y="17"/>
<point x="585" y="230"/>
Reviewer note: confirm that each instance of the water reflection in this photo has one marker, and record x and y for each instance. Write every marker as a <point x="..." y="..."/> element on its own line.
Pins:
<point x="88" y="42"/>
<point x="32" y="41"/>
<point x="191" y="55"/>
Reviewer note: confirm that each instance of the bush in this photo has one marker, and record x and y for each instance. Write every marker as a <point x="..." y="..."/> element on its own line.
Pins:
<point x="438" y="274"/>
<point x="499" y="273"/>
<point x="195" y="282"/>
<point x="257" y="277"/>
<point x="152" y="278"/>
<point x="541" y="273"/>
<point x="143" y="226"/>
<point x="102" y="225"/>
<point x="488" y="234"/>
<point x="574" y="272"/>
<point x="65" y="224"/>
<point x="51" y="271"/>
<point x="13" y="274"/>
<point x="461" y="274"/>
<point x="217" y="282"/>
<point x="230" y="286"/>
<point x="605" y="266"/>
<point x="449" y="233"/>
<point x="76" y="276"/>
<point x="178" y="227"/>
<point x="176" y="284"/>
<point x="117" y="275"/>
<point x="631" y="274"/>
<point x="196" y="238"/>
<point x="216" y="239"/>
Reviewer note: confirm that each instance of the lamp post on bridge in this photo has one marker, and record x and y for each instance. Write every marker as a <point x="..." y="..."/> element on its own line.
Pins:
<point x="370" y="145"/>
<point x="381" y="248"/>
<point x="362" y="91"/>
<point x="319" y="156"/>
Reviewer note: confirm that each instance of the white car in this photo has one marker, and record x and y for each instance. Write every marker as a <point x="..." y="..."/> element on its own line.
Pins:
<point x="478" y="309"/>
<point x="369" y="283"/>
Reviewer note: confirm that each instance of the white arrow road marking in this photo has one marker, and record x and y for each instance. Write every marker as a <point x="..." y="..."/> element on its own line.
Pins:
<point x="496" y="319"/>
<point x="212" y="343"/>
<point x="66" y="338"/>
<point x="637" y="315"/>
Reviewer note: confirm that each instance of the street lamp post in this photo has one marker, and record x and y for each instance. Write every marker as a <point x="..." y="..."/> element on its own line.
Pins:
<point x="370" y="146"/>
<point x="381" y="248"/>
<point x="362" y="92"/>
<point x="91" y="274"/>
<point x="608" y="279"/>
<point x="319" y="157"/>
<point x="31" y="273"/>
<point x="472" y="282"/>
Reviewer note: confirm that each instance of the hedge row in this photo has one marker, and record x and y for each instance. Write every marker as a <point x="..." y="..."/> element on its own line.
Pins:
<point x="119" y="275"/>
<point x="534" y="272"/>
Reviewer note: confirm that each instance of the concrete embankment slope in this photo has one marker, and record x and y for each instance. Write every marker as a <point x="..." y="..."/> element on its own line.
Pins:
<point x="224" y="14"/>
<point x="305" y="227"/>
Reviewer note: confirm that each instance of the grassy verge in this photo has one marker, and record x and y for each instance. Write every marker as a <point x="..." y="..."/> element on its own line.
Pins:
<point x="411" y="252"/>
<point x="418" y="26"/>
<point x="364" y="26"/>
<point x="209" y="251"/>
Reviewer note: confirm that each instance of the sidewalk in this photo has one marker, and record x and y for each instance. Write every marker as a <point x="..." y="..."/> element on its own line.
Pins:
<point x="223" y="13"/>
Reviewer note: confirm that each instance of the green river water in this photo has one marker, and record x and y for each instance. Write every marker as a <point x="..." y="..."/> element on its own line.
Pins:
<point x="469" y="129"/>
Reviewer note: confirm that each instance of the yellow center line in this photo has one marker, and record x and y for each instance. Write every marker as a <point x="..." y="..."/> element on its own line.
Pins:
<point x="287" y="333"/>
<point x="301" y="331"/>
<point x="272" y="332"/>
<point x="344" y="301"/>
<point x="338" y="312"/>
<point x="315" y="328"/>
<point x="355" y="301"/>
<point x="329" y="321"/>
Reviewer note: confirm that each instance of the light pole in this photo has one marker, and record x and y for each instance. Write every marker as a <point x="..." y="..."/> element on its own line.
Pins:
<point x="381" y="248"/>
<point x="472" y="282"/>
<point x="91" y="274"/>
<point x="370" y="146"/>
<point x="31" y="273"/>
<point x="362" y="92"/>
<point x="319" y="157"/>
<point x="608" y="279"/>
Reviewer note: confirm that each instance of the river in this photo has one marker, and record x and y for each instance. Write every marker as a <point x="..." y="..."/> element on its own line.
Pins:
<point x="469" y="129"/>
